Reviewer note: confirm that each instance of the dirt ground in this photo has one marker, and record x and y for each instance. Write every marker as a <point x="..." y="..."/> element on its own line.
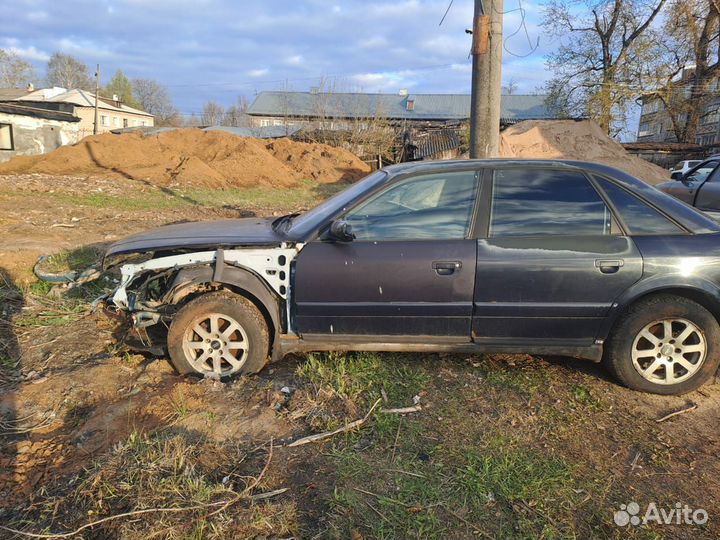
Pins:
<point x="510" y="446"/>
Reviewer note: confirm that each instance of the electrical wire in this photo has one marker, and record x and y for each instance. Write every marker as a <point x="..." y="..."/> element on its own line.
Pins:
<point x="522" y="26"/>
<point x="446" y="12"/>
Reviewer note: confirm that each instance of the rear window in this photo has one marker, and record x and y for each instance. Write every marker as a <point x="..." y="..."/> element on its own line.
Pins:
<point x="639" y="218"/>
<point x="539" y="202"/>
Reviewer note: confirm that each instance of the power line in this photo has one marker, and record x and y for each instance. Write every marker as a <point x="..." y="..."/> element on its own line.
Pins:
<point x="446" y="12"/>
<point x="522" y="26"/>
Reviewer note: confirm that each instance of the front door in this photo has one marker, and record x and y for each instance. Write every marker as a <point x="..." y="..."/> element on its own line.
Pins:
<point x="410" y="271"/>
<point x="686" y="189"/>
<point x="554" y="260"/>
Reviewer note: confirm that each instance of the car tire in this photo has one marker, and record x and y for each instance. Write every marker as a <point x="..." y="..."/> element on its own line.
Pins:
<point x="664" y="344"/>
<point x="219" y="335"/>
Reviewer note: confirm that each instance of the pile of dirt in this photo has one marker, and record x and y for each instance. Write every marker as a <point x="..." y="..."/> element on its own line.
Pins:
<point x="192" y="157"/>
<point x="581" y="140"/>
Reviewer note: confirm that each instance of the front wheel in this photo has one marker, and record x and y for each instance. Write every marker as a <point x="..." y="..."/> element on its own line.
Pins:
<point x="218" y="334"/>
<point x="664" y="345"/>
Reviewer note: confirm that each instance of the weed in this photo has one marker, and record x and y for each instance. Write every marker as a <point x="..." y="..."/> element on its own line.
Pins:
<point x="179" y="406"/>
<point x="70" y="260"/>
<point x="7" y="363"/>
<point x="583" y="398"/>
<point x="40" y="288"/>
<point x="76" y="414"/>
<point x="526" y="379"/>
<point x="53" y="313"/>
<point x="366" y="375"/>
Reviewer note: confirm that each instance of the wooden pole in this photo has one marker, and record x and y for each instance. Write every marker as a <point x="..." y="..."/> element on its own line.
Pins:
<point x="97" y="94"/>
<point x="486" y="79"/>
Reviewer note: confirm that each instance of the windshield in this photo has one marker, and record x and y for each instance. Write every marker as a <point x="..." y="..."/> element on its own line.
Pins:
<point x="313" y="218"/>
<point x="702" y="172"/>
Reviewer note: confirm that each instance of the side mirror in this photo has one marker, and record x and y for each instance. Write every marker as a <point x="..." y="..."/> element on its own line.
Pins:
<point x="341" y="231"/>
<point x="677" y="175"/>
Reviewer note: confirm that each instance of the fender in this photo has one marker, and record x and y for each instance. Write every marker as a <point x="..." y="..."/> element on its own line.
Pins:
<point x="695" y="285"/>
<point x="188" y="279"/>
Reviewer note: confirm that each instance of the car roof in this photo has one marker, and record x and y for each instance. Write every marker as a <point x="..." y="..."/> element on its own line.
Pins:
<point x="685" y="214"/>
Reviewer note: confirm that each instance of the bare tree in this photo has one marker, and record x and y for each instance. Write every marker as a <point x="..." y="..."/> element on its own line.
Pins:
<point x="14" y="71"/>
<point x="68" y="72"/>
<point x="212" y="114"/>
<point x="684" y="75"/>
<point x="510" y="87"/>
<point x="593" y="66"/>
<point x="236" y="115"/>
<point x="192" y="121"/>
<point x="153" y="97"/>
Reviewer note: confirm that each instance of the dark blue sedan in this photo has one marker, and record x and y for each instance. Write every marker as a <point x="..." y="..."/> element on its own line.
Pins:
<point x="543" y="257"/>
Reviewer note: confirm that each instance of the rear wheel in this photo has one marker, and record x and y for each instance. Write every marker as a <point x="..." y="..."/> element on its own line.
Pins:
<point x="218" y="334"/>
<point x="665" y="345"/>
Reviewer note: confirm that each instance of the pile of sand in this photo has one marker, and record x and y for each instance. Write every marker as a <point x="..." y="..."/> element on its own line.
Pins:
<point x="192" y="157"/>
<point x="568" y="139"/>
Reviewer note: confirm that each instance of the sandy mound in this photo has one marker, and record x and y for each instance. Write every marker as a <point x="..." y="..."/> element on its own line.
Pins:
<point x="321" y="162"/>
<point x="192" y="157"/>
<point x="568" y="139"/>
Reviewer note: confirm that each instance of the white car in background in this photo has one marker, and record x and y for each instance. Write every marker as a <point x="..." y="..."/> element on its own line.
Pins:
<point x="684" y="166"/>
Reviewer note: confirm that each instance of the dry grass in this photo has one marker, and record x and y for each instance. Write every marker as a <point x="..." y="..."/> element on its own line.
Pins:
<point x="175" y="485"/>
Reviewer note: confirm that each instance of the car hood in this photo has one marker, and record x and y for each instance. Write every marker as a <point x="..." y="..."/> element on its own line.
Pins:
<point x="197" y="235"/>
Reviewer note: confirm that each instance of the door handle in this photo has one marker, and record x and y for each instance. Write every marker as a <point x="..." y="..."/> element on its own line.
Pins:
<point x="446" y="268"/>
<point x="609" y="266"/>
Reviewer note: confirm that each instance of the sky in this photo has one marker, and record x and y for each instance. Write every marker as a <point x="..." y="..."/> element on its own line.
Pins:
<point x="221" y="49"/>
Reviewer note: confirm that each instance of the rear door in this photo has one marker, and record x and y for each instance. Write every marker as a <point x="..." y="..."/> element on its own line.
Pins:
<point x="410" y="271"/>
<point x="553" y="262"/>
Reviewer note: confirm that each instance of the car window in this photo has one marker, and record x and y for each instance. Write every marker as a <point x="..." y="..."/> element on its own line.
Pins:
<point x="701" y="173"/>
<point x="639" y="218"/>
<point x="527" y="202"/>
<point x="436" y="206"/>
<point x="678" y="166"/>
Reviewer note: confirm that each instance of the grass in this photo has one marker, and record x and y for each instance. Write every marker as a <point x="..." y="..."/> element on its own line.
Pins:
<point x="366" y="376"/>
<point x="179" y="406"/>
<point x="306" y="194"/>
<point x="407" y="477"/>
<point x="70" y="260"/>
<point x="170" y="469"/>
<point x="497" y="492"/>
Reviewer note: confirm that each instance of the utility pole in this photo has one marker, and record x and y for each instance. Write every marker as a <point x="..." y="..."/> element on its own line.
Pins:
<point x="486" y="79"/>
<point x="97" y="93"/>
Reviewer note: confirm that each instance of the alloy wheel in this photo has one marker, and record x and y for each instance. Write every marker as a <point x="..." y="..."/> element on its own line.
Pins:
<point x="669" y="351"/>
<point x="216" y="344"/>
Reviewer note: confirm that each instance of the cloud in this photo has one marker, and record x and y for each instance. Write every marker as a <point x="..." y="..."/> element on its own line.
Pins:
<point x="258" y="72"/>
<point x="30" y="53"/>
<point x="294" y="60"/>
<point x="220" y="49"/>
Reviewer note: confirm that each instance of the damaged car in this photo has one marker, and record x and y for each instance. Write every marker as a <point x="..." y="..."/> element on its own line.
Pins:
<point x="543" y="257"/>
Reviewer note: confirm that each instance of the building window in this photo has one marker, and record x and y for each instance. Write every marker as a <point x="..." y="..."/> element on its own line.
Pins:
<point x="710" y="116"/>
<point x="6" y="137"/>
<point x="651" y="106"/>
<point x="115" y="121"/>
<point x="103" y="120"/>
<point x="264" y="122"/>
<point x="645" y="130"/>
<point x="125" y="122"/>
<point x="705" y="140"/>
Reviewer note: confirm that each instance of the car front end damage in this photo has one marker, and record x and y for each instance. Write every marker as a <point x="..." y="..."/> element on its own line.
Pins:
<point x="152" y="290"/>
